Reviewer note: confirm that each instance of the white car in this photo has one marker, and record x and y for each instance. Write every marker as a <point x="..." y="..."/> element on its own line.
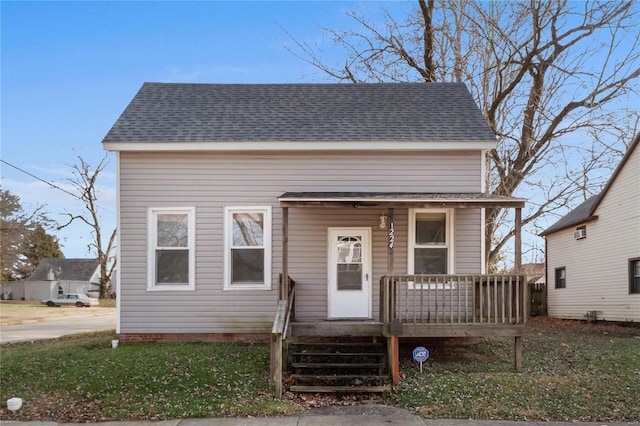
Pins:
<point x="71" y="299"/>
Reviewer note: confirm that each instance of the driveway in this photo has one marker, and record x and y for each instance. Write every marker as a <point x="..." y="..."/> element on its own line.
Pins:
<point x="71" y="321"/>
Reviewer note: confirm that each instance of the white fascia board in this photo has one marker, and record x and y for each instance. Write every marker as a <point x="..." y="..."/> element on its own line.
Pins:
<point x="396" y="200"/>
<point x="298" y="146"/>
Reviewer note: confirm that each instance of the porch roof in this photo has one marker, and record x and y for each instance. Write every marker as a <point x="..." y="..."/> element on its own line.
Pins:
<point x="398" y="199"/>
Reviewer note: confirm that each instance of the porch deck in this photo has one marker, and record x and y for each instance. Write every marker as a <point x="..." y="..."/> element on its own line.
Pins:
<point x="419" y="306"/>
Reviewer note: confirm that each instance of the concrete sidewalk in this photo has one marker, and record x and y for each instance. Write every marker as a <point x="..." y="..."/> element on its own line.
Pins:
<point x="354" y="415"/>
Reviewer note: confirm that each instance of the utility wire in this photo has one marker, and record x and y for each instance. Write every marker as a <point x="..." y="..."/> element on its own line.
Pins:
<point x="50" y="184"/>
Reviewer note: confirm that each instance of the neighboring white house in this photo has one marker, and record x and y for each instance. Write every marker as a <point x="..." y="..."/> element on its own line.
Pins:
<point x="593" y="253"/>
<point x="57" y="276"/>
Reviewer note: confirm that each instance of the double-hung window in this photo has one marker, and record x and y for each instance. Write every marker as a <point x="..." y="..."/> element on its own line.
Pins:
<point x="171" y="257"/>
<point x="561" y="277"/>
<point x="634" y="276"/>
<point x="247" y="248"/>
<point x="430" y="242"/>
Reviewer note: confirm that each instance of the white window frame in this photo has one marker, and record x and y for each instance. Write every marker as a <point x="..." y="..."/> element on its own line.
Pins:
<point x="449" y="243"/>
<point x="152" y="223"/>
<point x="229" y="211"/>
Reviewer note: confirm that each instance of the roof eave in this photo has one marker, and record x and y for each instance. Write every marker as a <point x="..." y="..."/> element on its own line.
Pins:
<point x="569" y="225"/>
<point x="299" y="146"/>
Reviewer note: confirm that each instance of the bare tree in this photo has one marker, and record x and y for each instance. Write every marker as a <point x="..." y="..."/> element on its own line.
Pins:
<point x="554" y="80"/>
<point x="84" y="182"/>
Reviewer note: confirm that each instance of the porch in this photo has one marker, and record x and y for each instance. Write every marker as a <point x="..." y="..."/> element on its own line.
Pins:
<point x="408" y="305"/>
<point x="411" y="306"/>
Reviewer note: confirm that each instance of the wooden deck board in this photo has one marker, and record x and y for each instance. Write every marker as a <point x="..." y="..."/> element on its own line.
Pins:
<point x="345" y="389"/>
<point x="353" y="328"/>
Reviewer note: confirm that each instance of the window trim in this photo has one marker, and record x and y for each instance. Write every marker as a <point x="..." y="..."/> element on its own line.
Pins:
<point x="555" y="277"/>
<point x="449" y="242"/>
<point x="633" y="261"/>
<point x="228" y="213"/>
<point x="152" y="224"/>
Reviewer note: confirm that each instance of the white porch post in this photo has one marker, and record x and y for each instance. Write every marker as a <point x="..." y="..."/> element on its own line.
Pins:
<point x="389" y="241"/>
<point x="518" y="241"/>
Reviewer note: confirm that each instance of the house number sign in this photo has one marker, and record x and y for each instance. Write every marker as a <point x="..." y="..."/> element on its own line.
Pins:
<point x="392" y="237"/>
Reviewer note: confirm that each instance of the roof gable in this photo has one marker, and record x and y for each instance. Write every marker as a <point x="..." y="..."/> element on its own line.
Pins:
<point x="630" y="151"/>
<point x="203" y="113"/>
<point x="65" y="269"/>
<point x="586" y="211"/>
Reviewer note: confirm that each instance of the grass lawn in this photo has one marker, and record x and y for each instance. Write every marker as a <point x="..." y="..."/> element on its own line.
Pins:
<point x="572" y="371"/>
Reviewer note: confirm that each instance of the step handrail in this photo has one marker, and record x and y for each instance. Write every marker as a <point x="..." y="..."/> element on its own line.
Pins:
<point x="279" y="334"/>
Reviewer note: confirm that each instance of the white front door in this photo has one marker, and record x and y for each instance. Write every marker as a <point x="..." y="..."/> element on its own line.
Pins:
<point x="349" y="272"/>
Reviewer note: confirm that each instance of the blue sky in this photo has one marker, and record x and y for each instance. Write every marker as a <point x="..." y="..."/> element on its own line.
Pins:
<point x="69" y="69"/>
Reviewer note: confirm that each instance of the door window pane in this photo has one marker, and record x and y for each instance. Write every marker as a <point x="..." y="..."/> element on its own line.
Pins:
<point x="349" y="266"/>
<point x="349" y="250"/>
<point x="349" y="277"/>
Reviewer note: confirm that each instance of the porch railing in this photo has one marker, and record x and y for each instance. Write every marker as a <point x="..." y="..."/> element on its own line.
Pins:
<point x="453" y="299"/>
<point x="284" y="313"/>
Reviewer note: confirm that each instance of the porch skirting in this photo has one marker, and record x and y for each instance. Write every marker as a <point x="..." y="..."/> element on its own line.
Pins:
<point x="192" y="337"/>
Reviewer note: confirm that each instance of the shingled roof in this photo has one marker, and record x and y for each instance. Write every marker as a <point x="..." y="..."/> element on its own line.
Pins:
<point x="65" y="269"/>
<point x="581" y="214"/>
<point x="404" y="112"/>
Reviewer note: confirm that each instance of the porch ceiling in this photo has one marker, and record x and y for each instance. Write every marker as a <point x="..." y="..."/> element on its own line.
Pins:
<point x="398" y="199"/>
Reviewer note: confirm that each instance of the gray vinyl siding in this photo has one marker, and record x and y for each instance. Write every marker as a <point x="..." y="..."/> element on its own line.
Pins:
<point x="211" y="181"/>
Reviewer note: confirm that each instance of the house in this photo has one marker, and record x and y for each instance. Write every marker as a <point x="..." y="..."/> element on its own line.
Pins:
<point x="593" y="253"/>
<point x="367" y="198"/>
<point x="56" y="276"/>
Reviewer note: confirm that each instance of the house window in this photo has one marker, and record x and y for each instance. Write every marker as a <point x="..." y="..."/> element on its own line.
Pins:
<point x="171" y="257"/>
<point x="634" y="275"/>
<point x="247" y="248"/>
<point x="561" y="277"/>
<point x="430" y="242"/>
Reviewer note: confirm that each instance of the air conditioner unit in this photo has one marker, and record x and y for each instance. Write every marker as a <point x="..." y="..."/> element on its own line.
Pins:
<point x="580" y="233"/>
